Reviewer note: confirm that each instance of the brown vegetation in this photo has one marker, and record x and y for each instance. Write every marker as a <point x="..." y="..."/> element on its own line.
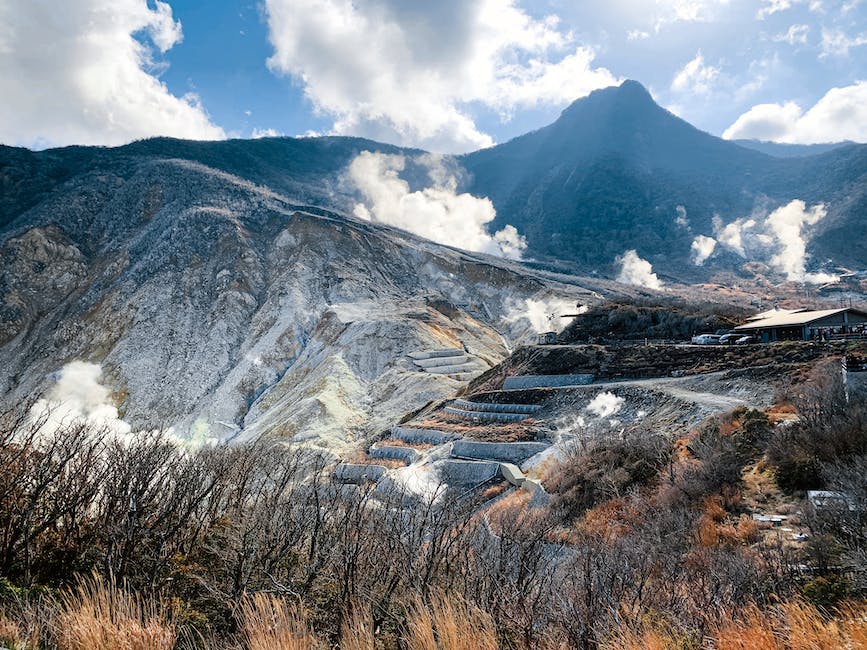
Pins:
<point x="648" y="542"/>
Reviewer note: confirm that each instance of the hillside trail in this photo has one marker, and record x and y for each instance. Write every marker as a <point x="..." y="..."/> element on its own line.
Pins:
<point x="681" y="388"/>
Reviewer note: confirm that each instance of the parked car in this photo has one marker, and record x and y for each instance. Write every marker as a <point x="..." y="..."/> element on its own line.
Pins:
<point x="706" y="339"/>
<point x="730" y="338"/>
<point x="745" y="340"/>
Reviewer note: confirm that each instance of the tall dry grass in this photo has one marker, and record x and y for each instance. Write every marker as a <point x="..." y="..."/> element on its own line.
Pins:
<point x="103" y="616"/>
<point x="795" y="625"/>
<point x="792" y="625"/>
<point x="356" y="632"/>
<point x="271" y="623"/>
<point x="448" y="623"/>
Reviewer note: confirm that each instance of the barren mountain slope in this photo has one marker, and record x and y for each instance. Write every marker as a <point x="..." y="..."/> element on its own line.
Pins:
<point x="215" y="305"/>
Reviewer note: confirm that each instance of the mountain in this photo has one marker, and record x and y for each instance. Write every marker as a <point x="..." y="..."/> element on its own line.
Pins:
<point x="783" y="150"/>
<point x="222" y="307"/>
<point x="222" y="289"/>
<point x="610" y="173"/>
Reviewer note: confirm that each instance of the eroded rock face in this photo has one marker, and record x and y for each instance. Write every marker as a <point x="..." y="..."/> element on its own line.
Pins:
<point x="223" y="308"/>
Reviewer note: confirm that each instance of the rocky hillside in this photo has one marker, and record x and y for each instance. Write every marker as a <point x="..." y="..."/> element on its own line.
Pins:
<point x="224" y="308"/>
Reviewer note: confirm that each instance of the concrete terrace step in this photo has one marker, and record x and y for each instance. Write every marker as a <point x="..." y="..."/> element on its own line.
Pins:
<point x="546" y="381"/>
<point x="508" y="452"/>
<point x="433" y="354"/>
<point x="407" y="454"/>
<point x="479" y="416"/>
<point x="493" y="407"/>
<point x="468" y="472"/>
<point x="442" y="361"/>
<point x="358" y="474"/>
<point x="454" y="369"/>
<point x="428" y="436"/>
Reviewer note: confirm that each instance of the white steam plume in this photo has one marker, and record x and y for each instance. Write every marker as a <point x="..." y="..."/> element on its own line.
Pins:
<point x="702" y="248"/>
<point x="437" y="212"/>
<point x="636" y="271"/>
<point x="544" y="314"/>
<point x="606" y="404"/>
<point x="786" y="223"/>
<point x="77" y="396"/>
<point x="777" y="239"/>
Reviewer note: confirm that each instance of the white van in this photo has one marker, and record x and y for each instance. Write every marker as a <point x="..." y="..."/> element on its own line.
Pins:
<point x="706" y="339"/>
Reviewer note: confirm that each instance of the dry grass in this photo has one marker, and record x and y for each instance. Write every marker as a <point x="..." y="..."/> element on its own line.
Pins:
<point x="794" y="625"/>
<point x="448" y="623"/>
<point x="99" y="616"/>
<point x="14" y="636"/>
<point x="271" y="623"/>
<point x="361" y="457"/>
<point x="394" y="442"/>
<point x="356" y="632"/>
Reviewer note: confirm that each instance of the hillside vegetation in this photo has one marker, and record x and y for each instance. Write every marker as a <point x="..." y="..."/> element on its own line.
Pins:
<point x="648" y="541"/>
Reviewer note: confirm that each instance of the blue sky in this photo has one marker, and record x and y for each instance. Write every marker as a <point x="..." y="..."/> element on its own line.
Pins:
<point x="449" y="76"/>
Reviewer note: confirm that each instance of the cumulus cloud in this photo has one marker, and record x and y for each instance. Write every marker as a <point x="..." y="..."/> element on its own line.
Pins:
<point x="265" y="133"/>
<point x="841" y="114"/>
<point x="83" y="72"/>
<point x="702" y="248"/>
<point x="696" y="76"/>
<point x="770" y="7"/>
<point x="681" y="219"/>
<point x="795" y="35"/>
<point x="836" y="42"/>
<point x="436" y="212"/>
<point x="636" y="271"/>
<point x="544" y="314"/>
<point x="411" y="73"/>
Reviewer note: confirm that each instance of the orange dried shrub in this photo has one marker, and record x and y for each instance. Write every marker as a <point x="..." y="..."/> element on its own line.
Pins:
<point x="611" y="519"/>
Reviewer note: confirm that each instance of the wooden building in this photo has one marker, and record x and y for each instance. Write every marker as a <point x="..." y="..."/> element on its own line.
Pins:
<point x="806" y="325"/>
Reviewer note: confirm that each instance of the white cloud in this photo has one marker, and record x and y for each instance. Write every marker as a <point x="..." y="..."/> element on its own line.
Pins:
<point x="702" y="248"/>
<point x="770" y="7"/>
<point x="692" y="11"/>
<point x="838" y="43"/>
<point x="695" y="77"/>
<point x="636" y="35"/>
<point x="74" y="73"/>
<point x="411" y="73"/>
<point x="840" y="115"/>
<point x="795" y="35"/>
<point x="636" y="271"/>
<point x="437" y="212"/>
<point x="681" y="219"/>
<point x="265" y="133"/>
